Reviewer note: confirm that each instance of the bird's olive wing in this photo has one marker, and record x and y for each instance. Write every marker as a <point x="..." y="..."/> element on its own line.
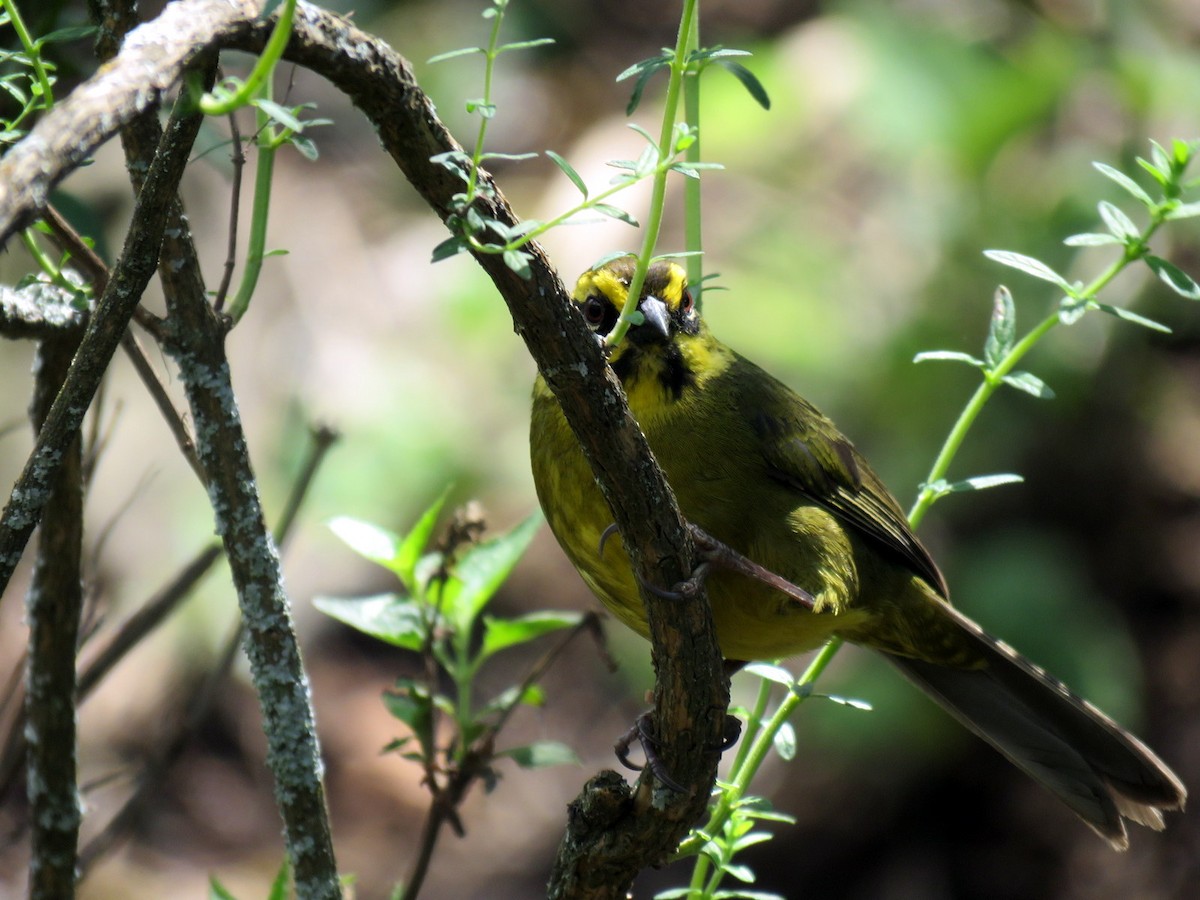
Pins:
<point x="804" y="450"/>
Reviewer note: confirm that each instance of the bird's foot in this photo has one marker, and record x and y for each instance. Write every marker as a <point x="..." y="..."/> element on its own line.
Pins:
<point x="642" y="731"/>
<point x="715" y="554"/>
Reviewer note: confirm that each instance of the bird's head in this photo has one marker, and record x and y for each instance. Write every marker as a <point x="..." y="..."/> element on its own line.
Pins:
<point x="670" y="342"/>
<point x="665" y="303"/>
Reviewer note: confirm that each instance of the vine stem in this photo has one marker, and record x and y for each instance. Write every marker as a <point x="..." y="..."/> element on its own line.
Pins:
<point x="994" y="377"/>
<point x="659" y="190"/>
<point x="35" y="57"/>
<point x="212" y="105"/>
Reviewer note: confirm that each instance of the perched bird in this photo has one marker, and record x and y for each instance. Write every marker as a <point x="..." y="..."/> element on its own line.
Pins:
<point x="761" y="470"/>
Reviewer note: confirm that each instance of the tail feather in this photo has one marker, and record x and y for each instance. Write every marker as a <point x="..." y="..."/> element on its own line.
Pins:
<point x="1098" y="769"/>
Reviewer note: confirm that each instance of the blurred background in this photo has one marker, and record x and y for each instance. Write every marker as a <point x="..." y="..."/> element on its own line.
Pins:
<point x="847" y="225"/>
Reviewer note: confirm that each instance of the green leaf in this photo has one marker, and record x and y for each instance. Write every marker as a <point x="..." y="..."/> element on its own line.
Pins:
<point x="653" y="64"/>
<point x="1161" y="177"/>
<point x="452" y="54"/>
<point x="1174" y="278"/>
<point x="1119" y="224"/>
<point x="370" y="541"/>
<point x="1129" y="316"/>
<point x="61" y="35"/>
<point x="499" y="634"/>
<point x="411" y="704"/>
<point x="540" y="754"/>
<point x="777" y="674"/>
<point x="391" y="618"/>
<point x="518" y="261"/>
<point x="1029" y="266"/>
<point x="1030" y="384"/>
<point x="452" y="246"/>
<point x="1160" y="156"/>
<point x="1071" y="310"/>
<point x="948" y="355"/>
<point x="650" y="139"/>
<point x="532" y="695"/>
<point x="281" y="115"/>
<point x="408" y="554"/>
<point x="715" y="53"/>
<point x="1002" y="328"/>
<point x="741" y="873"/>
<point x="1184" y="211"/>
<point x="615" y="212"/>
<point x="785" y="741"/>
<point x="283" y="880"/>
<point x="609" y="257"/>
<point x="508" y="157"/>
<point x="569" y="171"/>
<point x="482" y="569"/>
<point x="751" y="839"/>
<point x="851" y="702"/>
<point x="305" y="146"/>
<point x="1091" y="239"/>
<point x="749" y="81"/>
<point x="644" y="71"/>
<point x="485" y="109"/>
<point x="1126" y="182"/>
<point x="981" y="483"/>
<point x="218" y="891"/>
<point x="525" y="45"/>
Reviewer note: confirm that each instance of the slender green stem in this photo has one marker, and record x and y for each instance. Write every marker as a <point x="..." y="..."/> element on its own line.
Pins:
<point x="35" y="56"/>
<point x="666" y="146"/>
<point x="994" y="377"/>
<point x="535" y="232"/>
<point x="248" y="90"/>
<point x="268" y="143"/>
<point x="992" y="380"/>
<point x="44" y="262"/>
<point x="742" y="775"/>
<point x="485" y="110"/>
<point x="693" y="234"/>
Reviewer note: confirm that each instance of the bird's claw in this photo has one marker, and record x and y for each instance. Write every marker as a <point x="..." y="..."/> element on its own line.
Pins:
<point x="643" y="732"/>
<point x="716" y="553"/>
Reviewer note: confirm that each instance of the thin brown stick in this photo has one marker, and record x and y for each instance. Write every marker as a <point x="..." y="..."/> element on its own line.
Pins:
<point x="238" y="158"/>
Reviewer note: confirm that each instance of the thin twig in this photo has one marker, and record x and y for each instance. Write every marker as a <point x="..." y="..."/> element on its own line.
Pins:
<point x="478" y="759"/>
<point x="238" y="158"/>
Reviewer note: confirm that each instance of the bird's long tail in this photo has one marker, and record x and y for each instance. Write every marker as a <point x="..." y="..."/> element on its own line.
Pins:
<point x="1101" y="771"/>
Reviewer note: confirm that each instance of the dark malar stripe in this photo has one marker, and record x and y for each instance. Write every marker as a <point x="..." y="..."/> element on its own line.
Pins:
<point x="675" y="375"/>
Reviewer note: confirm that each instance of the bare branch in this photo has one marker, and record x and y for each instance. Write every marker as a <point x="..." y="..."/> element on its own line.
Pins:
<point x="54" y="609"/>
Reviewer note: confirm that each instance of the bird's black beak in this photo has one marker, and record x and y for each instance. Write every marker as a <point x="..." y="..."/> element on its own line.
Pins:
<point x="656" y="314"/>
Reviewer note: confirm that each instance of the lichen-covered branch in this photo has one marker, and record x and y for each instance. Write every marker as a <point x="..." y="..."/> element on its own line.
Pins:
<point x="195" y="337"/>
<point x="53" y="609"/>
<point x="139" y="258"/>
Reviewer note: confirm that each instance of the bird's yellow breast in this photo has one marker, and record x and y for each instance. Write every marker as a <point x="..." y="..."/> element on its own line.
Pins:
<point x="707" y="450"/>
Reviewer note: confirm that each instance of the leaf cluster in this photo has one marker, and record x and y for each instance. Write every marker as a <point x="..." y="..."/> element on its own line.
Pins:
<point x="439" y="613"/>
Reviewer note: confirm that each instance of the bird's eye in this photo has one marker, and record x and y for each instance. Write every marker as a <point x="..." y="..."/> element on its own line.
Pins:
<point x="593" y="311"/>
<point x="687" y="302"/>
